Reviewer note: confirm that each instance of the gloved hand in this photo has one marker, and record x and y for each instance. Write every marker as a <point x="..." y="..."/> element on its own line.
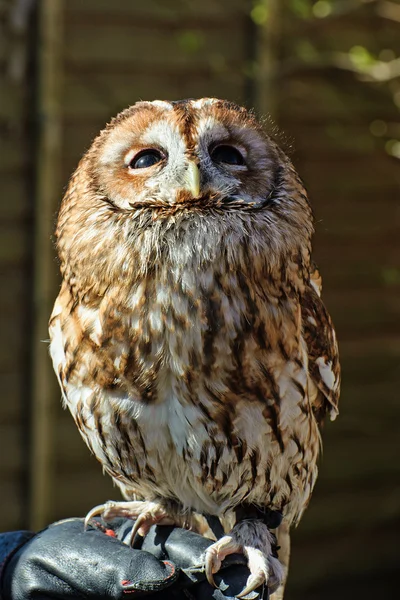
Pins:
<point x="65" y="562"/>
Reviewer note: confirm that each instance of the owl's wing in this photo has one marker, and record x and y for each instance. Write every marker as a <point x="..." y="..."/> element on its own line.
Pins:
<point x="323" y="355"/>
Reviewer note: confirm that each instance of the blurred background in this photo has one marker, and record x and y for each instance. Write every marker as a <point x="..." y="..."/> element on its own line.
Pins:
<point x="328" y="73"/>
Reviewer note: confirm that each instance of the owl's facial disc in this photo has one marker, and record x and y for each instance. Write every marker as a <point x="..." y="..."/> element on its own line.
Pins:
<point x="170" y="154"/>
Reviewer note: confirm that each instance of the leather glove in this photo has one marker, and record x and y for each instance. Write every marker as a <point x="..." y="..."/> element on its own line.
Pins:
<point x="186" y="550"/>
<point x="65" y="562"/>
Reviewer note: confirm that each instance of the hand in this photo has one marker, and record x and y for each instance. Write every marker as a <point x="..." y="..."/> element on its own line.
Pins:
<point x="66" y="562"/>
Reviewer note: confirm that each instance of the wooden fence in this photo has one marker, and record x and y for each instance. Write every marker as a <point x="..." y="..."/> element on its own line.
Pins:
<point x="327" y="72"/>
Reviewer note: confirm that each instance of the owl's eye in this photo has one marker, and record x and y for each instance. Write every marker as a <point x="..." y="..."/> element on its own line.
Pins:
<point x="228" y="155"/>
<point x="146" y="158"/>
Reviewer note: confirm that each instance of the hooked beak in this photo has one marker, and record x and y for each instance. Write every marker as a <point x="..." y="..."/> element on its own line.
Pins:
<point x="192" y="179"/>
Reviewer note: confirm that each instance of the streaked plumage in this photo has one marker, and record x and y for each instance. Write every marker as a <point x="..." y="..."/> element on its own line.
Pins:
<point x="189" y="337"/>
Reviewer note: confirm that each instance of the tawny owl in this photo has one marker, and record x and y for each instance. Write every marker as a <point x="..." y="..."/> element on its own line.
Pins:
<point x="189" y="338"/>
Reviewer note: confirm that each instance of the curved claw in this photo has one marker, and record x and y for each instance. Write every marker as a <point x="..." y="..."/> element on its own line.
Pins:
<point x="137" y="525"/>
<point x="216" y="553"/>
<point x="253" y="582"/>
<point x="208" y="570"/>
<point x="95" y="512"/>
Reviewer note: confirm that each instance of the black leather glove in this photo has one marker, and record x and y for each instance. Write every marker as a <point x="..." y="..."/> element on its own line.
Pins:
<point x="65" y="562"/>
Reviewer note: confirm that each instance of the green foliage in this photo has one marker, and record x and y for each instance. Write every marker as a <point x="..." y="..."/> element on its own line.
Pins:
<point x="322" y="9"/>
<point x="260" y="11"/>
<point x="360" y="37"/>
<point x="392" y="147"/>
<point x="390" y="276"/>
<point x="361" y="57"/>
<point x="378" y="128"/>
<point x="306" y="50"/>
<point x="190" y="41"/>
<point x="301" y="8"/>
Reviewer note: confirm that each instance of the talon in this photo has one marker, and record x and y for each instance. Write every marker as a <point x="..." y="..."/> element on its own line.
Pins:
<point x="212" y="564"/>
<point x="215" y="554"/>
<point x="138" y="523"/>
<point x="95" y="512"/>
<point x="209" y="570"/>
<point x="253" y="582"/>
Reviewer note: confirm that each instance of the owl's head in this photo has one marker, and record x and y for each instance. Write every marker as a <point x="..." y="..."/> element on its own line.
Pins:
<point x="204" y="171"/>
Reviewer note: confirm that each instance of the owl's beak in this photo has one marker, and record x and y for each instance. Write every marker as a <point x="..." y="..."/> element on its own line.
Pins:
<point x="192" y="179"/>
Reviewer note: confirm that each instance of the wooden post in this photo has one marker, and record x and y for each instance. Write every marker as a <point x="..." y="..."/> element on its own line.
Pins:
<point x="45" y="392"/>
<point x="268" y="19"/>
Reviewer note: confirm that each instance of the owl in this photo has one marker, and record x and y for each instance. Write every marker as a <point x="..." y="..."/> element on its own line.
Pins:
<point x="189" y="337"/>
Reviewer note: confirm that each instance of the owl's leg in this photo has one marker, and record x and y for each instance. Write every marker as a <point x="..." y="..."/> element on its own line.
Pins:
<point x="144" y="513"/>
<point x="257" y="543"/>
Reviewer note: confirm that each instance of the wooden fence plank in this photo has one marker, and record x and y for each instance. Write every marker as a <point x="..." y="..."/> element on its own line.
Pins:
<point x="46" y="196"/>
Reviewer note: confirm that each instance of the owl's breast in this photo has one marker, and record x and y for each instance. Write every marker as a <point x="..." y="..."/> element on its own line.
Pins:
<point x="192" y="389"/>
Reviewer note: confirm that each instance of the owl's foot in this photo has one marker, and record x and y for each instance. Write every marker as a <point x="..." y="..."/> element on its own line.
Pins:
<point x="258" y="544"/>
<point x="145" y="515"/>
